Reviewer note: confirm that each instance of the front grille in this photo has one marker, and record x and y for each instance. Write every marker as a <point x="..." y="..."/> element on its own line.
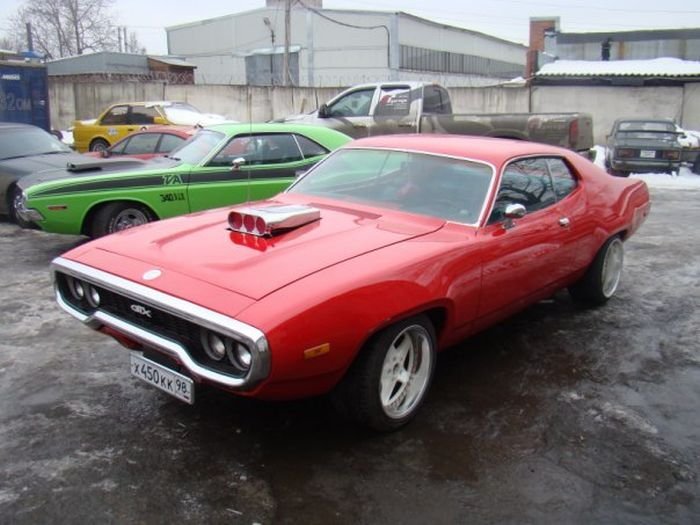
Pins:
<point x="150" y="318"/>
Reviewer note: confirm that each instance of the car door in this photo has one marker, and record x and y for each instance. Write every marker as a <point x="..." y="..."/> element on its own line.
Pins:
<point x="351" y="113"/>
<point x="522" y="259"/>
<point x="115" y="123"/>
<point x="395" y="110"/>
<point x="267" y="164"/>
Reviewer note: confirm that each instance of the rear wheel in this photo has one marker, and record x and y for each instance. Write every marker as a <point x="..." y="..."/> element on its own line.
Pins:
<point x="14" y="199"/>
<point x="696" y="164"/>
<point x="387" y="384"/>
<point x="99" y="145"/>
<point x="118" y="216"/>
<point x="601" y="280"/>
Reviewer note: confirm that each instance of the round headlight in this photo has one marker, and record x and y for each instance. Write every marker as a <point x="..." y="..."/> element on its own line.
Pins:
<point x="240" y="356"/>
<point x="214" y="346"/>
<point x="93" y="296"/>
<point x="77" y="289"/>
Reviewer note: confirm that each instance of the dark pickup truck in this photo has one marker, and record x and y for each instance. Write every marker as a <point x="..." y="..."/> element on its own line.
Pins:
<point x="419" y="107"/>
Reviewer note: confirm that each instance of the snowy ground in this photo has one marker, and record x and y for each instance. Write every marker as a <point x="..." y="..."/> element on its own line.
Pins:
<point x="685" y="179"/>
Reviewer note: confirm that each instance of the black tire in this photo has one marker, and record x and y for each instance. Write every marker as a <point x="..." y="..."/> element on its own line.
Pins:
<point x="118" y="216"/>
<point x="602" y="278"/>
<point x="696" y="165"/>
<point x="376" y="392"/>
<point x="13" y="200"/>
<point x="99" y="145"/>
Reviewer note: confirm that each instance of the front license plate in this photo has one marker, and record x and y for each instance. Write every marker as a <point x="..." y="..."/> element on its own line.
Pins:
<point x="647" y="154"/>
<point x="170" y="382"/>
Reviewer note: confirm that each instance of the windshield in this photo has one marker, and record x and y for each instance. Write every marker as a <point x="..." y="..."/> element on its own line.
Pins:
<point x="639" y="129"/>
<point x="443" y="187"/>
<point x="654" y="135"/>
<point x="182" y="114"/>
<point x="22" y="142"/>
<point x="198" y="147"/>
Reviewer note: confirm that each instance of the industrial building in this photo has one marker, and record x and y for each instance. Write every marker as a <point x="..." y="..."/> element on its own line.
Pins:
<point x="331" y="47"/>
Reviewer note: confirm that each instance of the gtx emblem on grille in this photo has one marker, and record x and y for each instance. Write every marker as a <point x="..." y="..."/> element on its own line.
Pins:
<point x="141" y="310"/>
<point x="151" y="274"/>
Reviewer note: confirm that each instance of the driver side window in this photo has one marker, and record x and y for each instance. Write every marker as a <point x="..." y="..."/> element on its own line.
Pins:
<point x="526" y="182"/>
<point x="355" y="104"/>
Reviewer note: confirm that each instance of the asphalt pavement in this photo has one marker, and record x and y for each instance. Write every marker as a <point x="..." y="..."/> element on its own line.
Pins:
<point x="559" y="415"/>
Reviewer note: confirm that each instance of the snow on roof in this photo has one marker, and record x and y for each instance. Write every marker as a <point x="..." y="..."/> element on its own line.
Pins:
<point x="657" y="67"/>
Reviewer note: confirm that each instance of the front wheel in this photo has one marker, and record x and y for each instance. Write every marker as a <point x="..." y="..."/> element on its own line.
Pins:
<point x="118" y="216"/>
<point x="602" y="278"/>
<point x="387" y="384"/>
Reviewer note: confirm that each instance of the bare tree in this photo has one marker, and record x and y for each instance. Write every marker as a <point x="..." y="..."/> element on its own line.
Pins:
<point x="62" y="28"/>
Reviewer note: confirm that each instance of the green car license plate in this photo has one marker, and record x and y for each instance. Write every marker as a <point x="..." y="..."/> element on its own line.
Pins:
<point x="170" y="382"/>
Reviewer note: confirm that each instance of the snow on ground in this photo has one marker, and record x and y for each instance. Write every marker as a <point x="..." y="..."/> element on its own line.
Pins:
<point x="685" y="179"/>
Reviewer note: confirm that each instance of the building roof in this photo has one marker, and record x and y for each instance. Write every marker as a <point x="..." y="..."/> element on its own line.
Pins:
<point x="331" y="12"/>
<point x="657" y="68"/>
<point x="630" y="36"/>
<point x="172" y="61"/>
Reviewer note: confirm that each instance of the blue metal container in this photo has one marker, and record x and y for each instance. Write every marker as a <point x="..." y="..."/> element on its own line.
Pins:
<point x="24" y="95"/>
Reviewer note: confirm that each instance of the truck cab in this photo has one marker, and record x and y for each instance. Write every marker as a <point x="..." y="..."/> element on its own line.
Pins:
<point x="381" y="109"/>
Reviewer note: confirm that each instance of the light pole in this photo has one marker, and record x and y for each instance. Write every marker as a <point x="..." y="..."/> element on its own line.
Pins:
<point x="267" y="22"/>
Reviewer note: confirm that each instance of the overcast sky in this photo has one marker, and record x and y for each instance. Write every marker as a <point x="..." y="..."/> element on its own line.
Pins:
<point x="502" y="18"/>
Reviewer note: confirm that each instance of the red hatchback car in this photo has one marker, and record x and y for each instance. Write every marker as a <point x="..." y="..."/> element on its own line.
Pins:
<point x="349" y="282"/>
<point x="154" y="141"/>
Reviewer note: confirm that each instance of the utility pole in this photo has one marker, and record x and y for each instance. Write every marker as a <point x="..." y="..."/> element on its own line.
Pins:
<point x="119" y="35"/>
<point x="30" y="39"/>
<point x="287" y="38"/>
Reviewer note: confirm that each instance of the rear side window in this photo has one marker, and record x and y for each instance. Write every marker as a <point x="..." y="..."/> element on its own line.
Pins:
<point x="169" y="142"/>
<point x="436" y="100"/>
<point x="393" y="102"/>
<point x="309" y="148"/>
<point x="564" y="181"/>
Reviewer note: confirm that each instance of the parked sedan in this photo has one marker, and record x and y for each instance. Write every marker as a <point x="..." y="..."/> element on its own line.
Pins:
<point x="26" y="149"/>
<point x="120" y="120"/>
<point x="156" y="141"/>
<point x="392" y="248"/>
<point x="643" y="146"/>
<point x="220" y="165"/>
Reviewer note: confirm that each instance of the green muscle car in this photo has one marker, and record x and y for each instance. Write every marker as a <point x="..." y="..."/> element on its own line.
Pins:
<point x="221" y="165"/>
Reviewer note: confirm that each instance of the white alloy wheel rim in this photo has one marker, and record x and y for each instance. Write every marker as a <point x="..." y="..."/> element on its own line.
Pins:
<point x="612" y="267"/>
<point x="129" y="218"/>
<point x="405" y="371"/>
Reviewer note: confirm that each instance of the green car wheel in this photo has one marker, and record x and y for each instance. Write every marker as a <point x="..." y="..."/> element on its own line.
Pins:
<point x="118" y="216"/>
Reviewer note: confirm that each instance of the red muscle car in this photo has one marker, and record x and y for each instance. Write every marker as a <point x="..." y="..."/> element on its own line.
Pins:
<point x="153" y="141"/>
<point x="391" y="249"/>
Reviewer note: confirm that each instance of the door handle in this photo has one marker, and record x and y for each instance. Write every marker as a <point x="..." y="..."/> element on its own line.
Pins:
<point x="564" y="222"/>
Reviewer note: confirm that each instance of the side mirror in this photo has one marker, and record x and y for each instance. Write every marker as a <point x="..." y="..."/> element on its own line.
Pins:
<point x="237" y="163"/>
<point x="513" y="211"/>
<point x="323" y="111"/>
<point x="105" y="154"/>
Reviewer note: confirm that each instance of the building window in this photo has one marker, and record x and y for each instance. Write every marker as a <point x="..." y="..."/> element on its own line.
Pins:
<point x="421" y="59"/>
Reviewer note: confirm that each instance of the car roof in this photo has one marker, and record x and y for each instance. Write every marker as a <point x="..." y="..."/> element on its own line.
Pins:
<point x="478" y="148"/>
<point x="15" y="125"/>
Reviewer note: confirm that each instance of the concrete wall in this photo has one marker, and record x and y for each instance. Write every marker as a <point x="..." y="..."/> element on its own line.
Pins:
<point x="86" y="100"/>
<point x="608" y="103"/>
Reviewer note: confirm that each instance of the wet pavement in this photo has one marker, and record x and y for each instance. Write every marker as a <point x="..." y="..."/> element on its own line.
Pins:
<point x="559" y="415"/>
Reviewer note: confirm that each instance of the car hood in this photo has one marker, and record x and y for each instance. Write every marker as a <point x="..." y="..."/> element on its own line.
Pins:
<point x="90" y="167"/>
<point x="202" y="245"/>
<point x="38" y="163"/>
